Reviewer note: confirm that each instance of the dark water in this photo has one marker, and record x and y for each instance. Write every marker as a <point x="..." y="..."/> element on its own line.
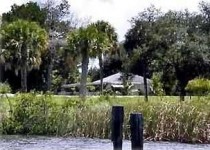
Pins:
<point x="52" y="143"/>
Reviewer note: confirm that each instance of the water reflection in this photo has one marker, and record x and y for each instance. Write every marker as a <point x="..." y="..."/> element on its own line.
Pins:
<point x="53" y="143"/>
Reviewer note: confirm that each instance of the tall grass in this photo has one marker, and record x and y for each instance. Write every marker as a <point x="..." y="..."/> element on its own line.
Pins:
<point x="165" y="118"/>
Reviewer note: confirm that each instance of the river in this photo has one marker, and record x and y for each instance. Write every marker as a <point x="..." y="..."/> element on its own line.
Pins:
<point x="55" y="143"/>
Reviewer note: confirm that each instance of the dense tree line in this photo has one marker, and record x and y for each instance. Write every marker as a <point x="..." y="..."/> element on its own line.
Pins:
<point x="174" y="44"/>
<point x="48" y="16"/>
<point x="64" y="43"/>
<point x="43" y="44"/>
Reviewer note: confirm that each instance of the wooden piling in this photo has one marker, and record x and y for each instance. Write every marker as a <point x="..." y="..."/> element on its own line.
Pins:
<point x="136" y="127"/>
<point x="117" y="127"/>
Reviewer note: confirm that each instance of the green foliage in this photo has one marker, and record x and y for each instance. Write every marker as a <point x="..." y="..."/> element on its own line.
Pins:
<point x="86" y="40"/>
<point x="85" y="43"/>
<point x="29" y="115"/>
<point x="106" y="44"/>
<point x="22" y="39"/>
<point x="91" y="88"/>
<point x="198" y="86"/>
<point x="157" y="85"/>
<point x="108" y="91"/>
<point x="50" y="15"/>
<point x="142" y="42"/>
<point x="127" y="85"/>
<point x="175" y="43"/>
<point x="94" y="74"/>
<point x="30" y="11"/>
<point x="5" y="88"/>
<point x="106" y="41"/>
<point x="39" y="115"/>
<point x="56" y="14"/>
<point x="165" y="119"/>
<point x="24" y="43"/>
<point x="56" y="81"/>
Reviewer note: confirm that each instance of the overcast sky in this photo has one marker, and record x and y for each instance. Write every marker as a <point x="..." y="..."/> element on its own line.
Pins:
<point x="117" y="12"/>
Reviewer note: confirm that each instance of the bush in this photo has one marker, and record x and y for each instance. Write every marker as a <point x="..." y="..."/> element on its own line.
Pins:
<point x="29" y="113"/>
<point x="38" y="115"/>
<point x="5" y="88"/>
<point x="157" y="85"/>
<point x="198" y="86"/>
<point x="56" y="81"/>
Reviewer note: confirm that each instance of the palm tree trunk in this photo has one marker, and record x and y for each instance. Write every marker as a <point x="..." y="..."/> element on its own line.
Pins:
<point x="24" y="79"/>
<point x="1" y="73"/>
<point x="83" y="89"/>
<point x="145" y="83"/>
<point x="101" y="73"/>
<point x="49" y="75"/>
<point x="50" y="67"/>
<point x="23" y="70"/>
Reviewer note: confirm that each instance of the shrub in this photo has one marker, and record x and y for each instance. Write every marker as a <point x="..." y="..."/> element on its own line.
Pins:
<point x="40" y="115"/>
<point x="157" y="85"/>
<point x="29" y="115"/>
<point x="56" y="81"/>
<point x="5" y="88"/>
<point x="198" y="86"/>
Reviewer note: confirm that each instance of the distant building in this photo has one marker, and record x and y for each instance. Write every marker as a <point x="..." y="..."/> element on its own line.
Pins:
<point x="116" y="83"/>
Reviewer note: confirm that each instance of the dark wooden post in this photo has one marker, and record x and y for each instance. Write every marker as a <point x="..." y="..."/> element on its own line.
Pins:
<point x="136" y="126"/>
<point x="117" y="127"/>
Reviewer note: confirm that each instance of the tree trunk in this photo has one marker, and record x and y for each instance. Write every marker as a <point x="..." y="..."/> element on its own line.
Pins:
<point x="50" y="67"/>
<point x="49" y="75"/>
<point x="83" y="88"/>
<point x="24" y="78"/>
<point x="23" y="70"/>
<point x="182" y="92"/>
<point x="182" y="82"/>
<point x="1" y="63"/>
<point x="1" y="73"/>
<point x="145" y="83"/>
<point x="101" y="73"/>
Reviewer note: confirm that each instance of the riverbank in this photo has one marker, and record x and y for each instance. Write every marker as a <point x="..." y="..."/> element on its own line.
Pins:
<point x="165" y="118"/>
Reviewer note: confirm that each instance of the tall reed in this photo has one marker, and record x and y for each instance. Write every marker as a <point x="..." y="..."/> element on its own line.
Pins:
<point x="165" y="119"/>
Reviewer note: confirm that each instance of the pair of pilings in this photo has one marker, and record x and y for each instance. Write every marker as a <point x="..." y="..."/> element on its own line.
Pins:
<point x="136" y="128"/>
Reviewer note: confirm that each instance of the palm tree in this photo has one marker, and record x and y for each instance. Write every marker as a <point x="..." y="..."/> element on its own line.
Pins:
<point x="23" y="43"/>
<point x="108" y="47"/>
<point x="83" y="43"/>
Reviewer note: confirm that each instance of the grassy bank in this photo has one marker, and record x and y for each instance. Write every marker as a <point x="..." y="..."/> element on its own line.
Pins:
<point x="166" y="118"/>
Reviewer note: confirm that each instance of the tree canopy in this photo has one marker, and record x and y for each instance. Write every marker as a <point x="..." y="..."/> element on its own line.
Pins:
<point x="23" y="44"/>
<point x="174" y="43"/>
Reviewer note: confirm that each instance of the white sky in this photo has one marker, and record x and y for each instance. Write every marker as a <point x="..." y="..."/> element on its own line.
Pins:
<point x="117" y="12"/>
